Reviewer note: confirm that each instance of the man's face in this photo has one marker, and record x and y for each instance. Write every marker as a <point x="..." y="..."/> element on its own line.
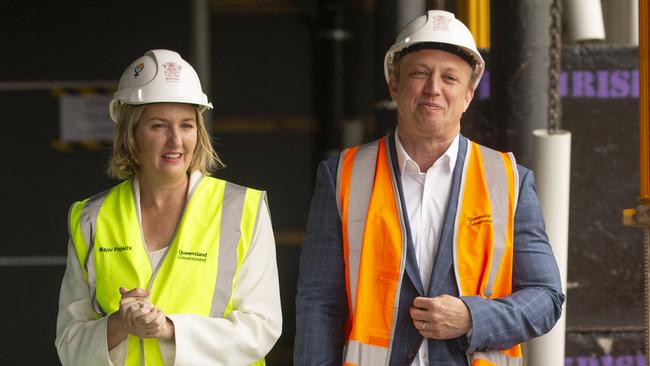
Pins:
<point x="432" y="93"/>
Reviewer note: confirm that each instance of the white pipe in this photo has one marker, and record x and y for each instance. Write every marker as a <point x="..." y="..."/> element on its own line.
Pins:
<point x="622" y="21"/>
<point x="552" y="168"/>
<point x="584" y="20"/>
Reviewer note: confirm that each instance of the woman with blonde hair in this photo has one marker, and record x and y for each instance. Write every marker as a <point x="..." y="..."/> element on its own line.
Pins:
<point x="171" y="266"/>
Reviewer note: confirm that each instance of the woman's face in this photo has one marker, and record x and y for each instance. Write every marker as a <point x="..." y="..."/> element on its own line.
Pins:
<point x="165" y="138"/>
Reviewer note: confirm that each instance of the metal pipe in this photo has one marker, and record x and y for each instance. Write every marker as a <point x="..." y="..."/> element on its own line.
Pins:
<point x="644" y="150"/>
<point x="476" y="15"/>
<point x="519" y="60"/>
<point x="201" y="50"/>
<point x="644" y="101"/>
<point x="330" y="36"/>
<point x="640" y="216"/>
<point x="621" y="22"/>
<point x="56" y="84"/>
<point x="390" y="17"/>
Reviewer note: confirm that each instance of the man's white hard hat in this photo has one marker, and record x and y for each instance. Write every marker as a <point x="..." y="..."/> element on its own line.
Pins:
<point x="157" y="77"/>
<point x="437" y="29"/>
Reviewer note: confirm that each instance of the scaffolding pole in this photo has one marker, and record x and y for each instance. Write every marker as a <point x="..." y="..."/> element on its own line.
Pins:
<point x="640" y="216"/>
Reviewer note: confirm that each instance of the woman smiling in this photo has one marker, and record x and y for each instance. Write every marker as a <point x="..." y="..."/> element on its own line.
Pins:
<point x="171" y="266"/>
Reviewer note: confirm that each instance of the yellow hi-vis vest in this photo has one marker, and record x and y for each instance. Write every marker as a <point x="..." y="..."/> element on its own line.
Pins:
<point x="375" y="243"/>
<point x="198" y="272"/>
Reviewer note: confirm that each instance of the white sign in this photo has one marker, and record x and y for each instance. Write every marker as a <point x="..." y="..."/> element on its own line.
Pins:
<point x="85" y="118"/>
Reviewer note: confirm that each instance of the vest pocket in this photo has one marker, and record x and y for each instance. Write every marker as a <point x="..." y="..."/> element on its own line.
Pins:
<point x="386" y="287"/>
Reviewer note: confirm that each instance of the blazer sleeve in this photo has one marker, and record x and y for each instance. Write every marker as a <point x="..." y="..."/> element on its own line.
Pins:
<point x="535" y="304"/>
<point x="249" y="332"/>
<point x="321" y="302"/>
<point x="80" y="337"/>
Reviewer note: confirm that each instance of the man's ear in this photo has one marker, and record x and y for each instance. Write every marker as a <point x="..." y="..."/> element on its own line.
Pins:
<point x="469" y="94"/>
<point x="392" y="86"/>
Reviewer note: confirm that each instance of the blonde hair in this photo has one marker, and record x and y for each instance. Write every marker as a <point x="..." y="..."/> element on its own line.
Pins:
<point x="124" y="163"/>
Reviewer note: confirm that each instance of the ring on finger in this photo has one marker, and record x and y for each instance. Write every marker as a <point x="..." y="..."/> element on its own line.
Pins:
<point x="424" y="324"/>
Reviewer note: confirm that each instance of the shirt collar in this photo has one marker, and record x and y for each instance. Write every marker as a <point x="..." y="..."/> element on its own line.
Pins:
<point x="403" y="157"/>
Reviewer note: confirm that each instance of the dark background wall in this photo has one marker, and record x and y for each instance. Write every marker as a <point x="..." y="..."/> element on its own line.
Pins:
<point x="267" y="131"/>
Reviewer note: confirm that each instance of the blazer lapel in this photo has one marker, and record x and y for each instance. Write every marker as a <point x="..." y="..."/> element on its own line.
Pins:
<point x="411" y="263"/>
<point x="444" y="256"/>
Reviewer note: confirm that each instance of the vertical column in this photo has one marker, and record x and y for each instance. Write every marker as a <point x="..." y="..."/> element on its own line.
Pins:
<point x="330" y="36"/>
<point x="476" y="15"/>
<point x="390" y="17"/>
<point x="201" y="49"/>
<point x="518" y="62"/>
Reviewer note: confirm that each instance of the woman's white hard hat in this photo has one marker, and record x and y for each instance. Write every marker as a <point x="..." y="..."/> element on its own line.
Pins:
<point x="160" y="76"/>
<point x="437" y="29"/>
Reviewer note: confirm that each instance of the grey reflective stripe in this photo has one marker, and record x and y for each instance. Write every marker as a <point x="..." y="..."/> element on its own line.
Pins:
<point x="516" y="173"/>
<point x="361" y="187"/>
<point x="497" y="358"/>
<point x="142" y="360"/>
<point x="459" y="206"/>
<point x="338" y="183"/>
<point x="364" y="354"/>
<point x="361" y="181"/>
<point x="87" y="225"/>
<point x="402" y="223"/>
<point x="229" y="235"/>
<point x="496" y="179"/>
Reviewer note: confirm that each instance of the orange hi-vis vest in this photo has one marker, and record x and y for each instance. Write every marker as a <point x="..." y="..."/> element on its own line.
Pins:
<point x="375" y="243"/>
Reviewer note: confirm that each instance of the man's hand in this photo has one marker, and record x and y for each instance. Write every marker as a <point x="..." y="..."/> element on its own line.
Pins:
<point x="442" y="317"/>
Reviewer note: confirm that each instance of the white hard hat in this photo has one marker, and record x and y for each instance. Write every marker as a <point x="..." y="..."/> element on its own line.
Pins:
<point x="437" y="29"/>
<point x="157" y="77"/>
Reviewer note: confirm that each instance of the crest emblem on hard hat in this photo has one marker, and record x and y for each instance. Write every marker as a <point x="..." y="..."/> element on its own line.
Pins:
<point x="441" y="22"/>
<point x="137" y="69"/>
<point x="172" y="70"/>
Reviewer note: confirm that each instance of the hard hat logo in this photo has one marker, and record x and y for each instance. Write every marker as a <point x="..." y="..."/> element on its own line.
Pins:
<point x="172" y="70"/>
<point x="441" y="22"/>
<point x="138" y="68"/>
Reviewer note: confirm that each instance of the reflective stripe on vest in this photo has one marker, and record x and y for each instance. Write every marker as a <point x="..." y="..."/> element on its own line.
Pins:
<point x="370" y="210"/>
<point x="364" y="199"/>
<point x="210" y="242"/>
<point x="486" y="215"/>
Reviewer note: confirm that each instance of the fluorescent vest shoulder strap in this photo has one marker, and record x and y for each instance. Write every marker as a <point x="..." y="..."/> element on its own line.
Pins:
<point x="374" y="250"/>
<point x="82" y="222"/>
<point x="486" y="208"/>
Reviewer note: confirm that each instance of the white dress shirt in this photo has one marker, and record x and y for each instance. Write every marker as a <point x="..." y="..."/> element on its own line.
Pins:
<point x="245" y="335"/>
<point x="426" y="195"/>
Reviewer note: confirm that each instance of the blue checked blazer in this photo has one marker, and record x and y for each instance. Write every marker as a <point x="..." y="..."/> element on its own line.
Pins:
<point x="321" y="305"/>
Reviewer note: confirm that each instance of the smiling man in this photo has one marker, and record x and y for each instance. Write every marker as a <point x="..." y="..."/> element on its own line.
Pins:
<point x="423" y="247"/>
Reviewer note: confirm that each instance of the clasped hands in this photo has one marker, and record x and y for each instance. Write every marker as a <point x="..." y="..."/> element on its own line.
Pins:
<point x="139" y="317"/>
<point x="441" y="317"/>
